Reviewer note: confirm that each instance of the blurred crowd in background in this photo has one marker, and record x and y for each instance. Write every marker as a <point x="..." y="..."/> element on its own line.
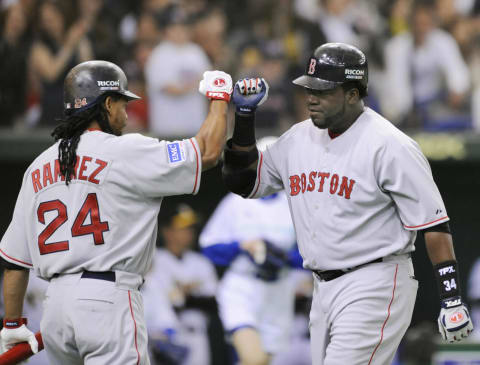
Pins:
<point x="423" y="56"/>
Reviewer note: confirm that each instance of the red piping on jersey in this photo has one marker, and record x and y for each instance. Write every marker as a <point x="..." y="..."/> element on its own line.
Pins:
<point x="258" y="173"/>
<point x="196" y="174"/>
<point x="135" y="325"/>
<point x="426" y="224"/>
<point x="388" y="315"/>
<point x="11" y="258"/>
<point x="94" y="129"/>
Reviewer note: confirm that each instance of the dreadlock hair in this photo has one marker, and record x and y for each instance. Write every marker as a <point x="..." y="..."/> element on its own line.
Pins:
<point x="72" y="126"/>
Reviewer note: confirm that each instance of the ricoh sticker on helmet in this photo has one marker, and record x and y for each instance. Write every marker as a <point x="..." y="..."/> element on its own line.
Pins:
<point x="109" y="84"/>
<point x="351" y="73"/>
<point x="176" y="152"/>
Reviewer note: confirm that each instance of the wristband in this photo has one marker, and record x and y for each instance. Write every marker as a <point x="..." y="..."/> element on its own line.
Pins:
<point x="218" y="95"/>
<point x="244" y="130"/>
<point x="446" y="274"/>
<point x="14" y="323"/>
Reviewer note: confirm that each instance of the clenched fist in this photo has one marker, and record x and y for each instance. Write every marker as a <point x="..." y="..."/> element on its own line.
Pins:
<point x="216" y="85"/>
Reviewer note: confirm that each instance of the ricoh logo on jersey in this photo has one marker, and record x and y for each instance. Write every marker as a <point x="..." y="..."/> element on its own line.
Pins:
<point x="352" y="73"/>
<point x="109" y="84"/>
<point x="87" y="168"/>
<point x="317" y="181"/>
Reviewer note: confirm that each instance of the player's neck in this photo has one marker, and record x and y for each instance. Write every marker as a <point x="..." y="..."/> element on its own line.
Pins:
<point x="348" y="120"/>
<point x="94" y="126"/>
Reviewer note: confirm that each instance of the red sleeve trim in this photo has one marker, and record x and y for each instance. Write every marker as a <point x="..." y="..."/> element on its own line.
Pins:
<point x="388" y="314"/>
<point x="11" y="258"/>
<point x="135" y="326"/>
<point x="426" y="224"/>
<point x="196" y="173"/>
<point x="259" y="170"/>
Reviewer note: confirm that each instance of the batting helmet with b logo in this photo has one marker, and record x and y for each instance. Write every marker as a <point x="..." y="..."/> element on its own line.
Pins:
<point x="333" y="64"/>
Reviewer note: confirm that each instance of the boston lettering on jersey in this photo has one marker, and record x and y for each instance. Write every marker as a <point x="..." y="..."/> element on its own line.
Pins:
<point x="333" y="183"/>
<point x="50" y="172"/>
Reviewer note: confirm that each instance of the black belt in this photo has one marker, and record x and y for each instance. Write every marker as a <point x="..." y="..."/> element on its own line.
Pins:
<point x="333" y="274"/>
<point x="104" y="275"/>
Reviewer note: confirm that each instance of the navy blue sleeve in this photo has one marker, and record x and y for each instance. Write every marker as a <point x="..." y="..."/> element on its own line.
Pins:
<point x="222" y="254"/>
<point x="294" y="258"/>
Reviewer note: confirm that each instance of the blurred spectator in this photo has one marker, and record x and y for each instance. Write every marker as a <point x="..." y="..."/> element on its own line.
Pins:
<point x="172" y="73"/>
<point x="188" y="280"/>
<point x="427" y="79"/>
<point x="14" y="50"/>
<point x="276" y="114"/>
<point x="209" y="33"/>
<point x="146" y="37"/>
<point x="57" y="49"/>
<point x="135" y="71"/>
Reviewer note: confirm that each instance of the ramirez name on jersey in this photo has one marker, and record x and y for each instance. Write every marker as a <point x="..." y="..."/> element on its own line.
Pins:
<point x="86" y="168"/>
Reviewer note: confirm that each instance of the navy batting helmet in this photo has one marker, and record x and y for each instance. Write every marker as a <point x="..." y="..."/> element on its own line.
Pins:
<point x="87" y="81"/>
<point x="333" y="64"/>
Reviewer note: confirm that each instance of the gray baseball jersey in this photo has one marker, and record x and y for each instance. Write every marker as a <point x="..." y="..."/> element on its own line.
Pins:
<point x="354" y="198"/>
<point x="106" y="219"/>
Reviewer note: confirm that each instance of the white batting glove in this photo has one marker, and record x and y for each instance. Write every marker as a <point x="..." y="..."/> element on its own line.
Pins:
<point x="216" y="85"/>
<point x="11" y="336"/>
<point x="454" y="322"/>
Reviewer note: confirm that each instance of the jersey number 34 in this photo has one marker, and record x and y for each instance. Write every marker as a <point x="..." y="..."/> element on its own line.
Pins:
<point x="79" y="228"/>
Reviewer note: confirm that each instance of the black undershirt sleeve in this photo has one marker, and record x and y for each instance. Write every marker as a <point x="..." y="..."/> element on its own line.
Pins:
<point x="443" y="227"/>
<point x="4" y="264"/>
<point x="239" y="169"/>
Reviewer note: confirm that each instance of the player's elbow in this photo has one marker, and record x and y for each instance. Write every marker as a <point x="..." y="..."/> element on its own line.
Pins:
<point x="210" y="158"/>
<point x="239" y="181"/>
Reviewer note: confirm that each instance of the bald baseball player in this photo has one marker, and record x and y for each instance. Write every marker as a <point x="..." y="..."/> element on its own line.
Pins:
<point x="359" y="190"/>
<point x="86" y="218"/>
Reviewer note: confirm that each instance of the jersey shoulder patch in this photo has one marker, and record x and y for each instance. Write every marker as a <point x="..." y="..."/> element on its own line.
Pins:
<point x="176" y="152"/>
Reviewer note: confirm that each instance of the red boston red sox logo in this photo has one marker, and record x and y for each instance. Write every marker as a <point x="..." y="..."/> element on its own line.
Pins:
<point x="456" y="317"/>
<point x="219" y="82"/>
<point x="311" y="67"/>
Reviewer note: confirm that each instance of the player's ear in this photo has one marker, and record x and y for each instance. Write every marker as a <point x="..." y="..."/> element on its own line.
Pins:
<point x="108" y="104"/>
<point x="353" y="95"/>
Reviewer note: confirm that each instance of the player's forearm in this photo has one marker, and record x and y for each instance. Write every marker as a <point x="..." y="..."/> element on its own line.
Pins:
<point x="439" y="247"/>
<point x="211" y="136"/>
<point x="14" y="287"/>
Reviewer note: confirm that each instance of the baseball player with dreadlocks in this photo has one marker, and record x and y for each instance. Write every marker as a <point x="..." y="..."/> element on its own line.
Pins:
<point x="86" y="218"/>
<point x="359" y="190"/>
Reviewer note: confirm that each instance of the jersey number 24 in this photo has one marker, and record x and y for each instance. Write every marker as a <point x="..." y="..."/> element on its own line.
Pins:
<point x="79" y="228"/>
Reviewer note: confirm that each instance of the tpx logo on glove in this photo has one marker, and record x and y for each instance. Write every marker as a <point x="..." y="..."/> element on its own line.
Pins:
<point x="219" y="82"/>
<point x="456" y="317"/>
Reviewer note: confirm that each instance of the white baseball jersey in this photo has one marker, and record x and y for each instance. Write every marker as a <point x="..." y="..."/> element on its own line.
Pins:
<point x="243" y="299"/>
<point x="237" y="219"/>
<point x="354" y="198"/>
<point x="106" y="218"/>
